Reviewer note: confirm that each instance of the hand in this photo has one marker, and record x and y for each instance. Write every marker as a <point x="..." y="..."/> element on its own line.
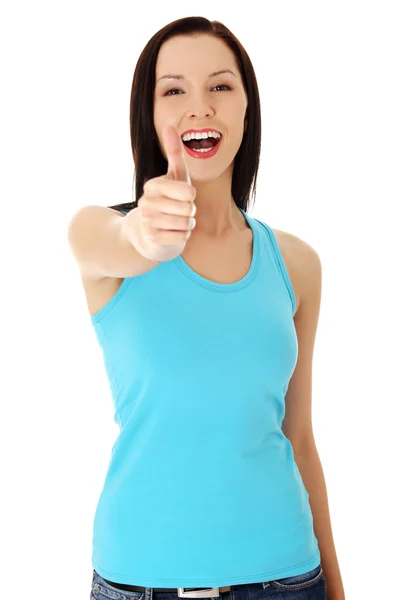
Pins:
<point x="164" y="218"/>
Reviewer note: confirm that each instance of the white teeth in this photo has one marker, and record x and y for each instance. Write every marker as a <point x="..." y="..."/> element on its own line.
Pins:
<point x="203" y="150"/>
<point x="198" y="136"/>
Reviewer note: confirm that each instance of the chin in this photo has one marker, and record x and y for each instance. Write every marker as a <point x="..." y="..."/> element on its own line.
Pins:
<point x="202" y="180"/>
<point x="207" y="175"/>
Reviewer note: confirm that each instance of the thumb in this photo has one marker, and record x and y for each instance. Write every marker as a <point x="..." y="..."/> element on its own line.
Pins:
<point x="177" y="167"/>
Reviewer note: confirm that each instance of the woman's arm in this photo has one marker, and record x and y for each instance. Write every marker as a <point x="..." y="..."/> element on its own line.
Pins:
<point x="312" y="474"/>
<point x="305" y="267"/>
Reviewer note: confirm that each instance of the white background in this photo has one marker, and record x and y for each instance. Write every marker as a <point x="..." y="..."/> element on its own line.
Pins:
<point x="328" y="75"/>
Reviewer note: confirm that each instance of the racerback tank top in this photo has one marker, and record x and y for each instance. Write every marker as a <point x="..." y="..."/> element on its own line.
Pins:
<point x="202" y="489"/>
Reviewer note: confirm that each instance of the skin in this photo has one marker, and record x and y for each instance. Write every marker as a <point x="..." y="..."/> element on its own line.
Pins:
<point x="196" y="102"/>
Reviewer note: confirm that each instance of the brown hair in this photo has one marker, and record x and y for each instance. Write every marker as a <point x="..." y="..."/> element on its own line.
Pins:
<point x="148" y="159"/>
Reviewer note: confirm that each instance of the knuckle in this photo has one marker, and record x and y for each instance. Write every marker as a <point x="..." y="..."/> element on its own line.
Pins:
<point x="185" y="209"/>
<point x="146" y="220"/>
<point x="152" y="185"/>
<point x="182" y="190"/>
<point x="144" y="207"/>
<point x="147" y="185"/>
<point x="151" y="235"/>
<point x="190" y="191"/>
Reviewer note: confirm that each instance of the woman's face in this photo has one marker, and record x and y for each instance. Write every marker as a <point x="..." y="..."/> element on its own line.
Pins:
<point x="200" y="101"/>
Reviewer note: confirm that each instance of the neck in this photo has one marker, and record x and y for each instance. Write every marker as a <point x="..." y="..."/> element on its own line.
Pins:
<point x="217" y="215"/>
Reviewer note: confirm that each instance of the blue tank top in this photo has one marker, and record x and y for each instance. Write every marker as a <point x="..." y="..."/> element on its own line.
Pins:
<point x="202" y="489"/>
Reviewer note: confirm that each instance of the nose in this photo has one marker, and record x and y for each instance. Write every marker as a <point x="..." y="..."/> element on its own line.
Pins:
<point x="199" y="110"/>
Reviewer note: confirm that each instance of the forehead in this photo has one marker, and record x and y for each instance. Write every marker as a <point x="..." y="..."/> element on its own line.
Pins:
<point x="188" y="55"/>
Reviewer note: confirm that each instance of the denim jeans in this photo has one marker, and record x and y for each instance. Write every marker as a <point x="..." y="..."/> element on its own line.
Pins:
<point x="307" y="586"/>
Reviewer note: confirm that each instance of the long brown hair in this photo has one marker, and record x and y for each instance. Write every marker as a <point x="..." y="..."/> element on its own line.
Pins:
<point x="148" y="159"/>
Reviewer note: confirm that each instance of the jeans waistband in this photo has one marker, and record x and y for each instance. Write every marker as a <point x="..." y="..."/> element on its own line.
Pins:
<point x="184" y="592"/>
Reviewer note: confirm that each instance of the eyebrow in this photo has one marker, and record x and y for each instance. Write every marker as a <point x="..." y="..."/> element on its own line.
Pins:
<point x="182" y="76"/>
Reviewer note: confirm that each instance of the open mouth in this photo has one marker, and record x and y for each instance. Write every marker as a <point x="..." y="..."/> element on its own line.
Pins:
<point x="203" y="141"/>
<point x="209" y="142"/>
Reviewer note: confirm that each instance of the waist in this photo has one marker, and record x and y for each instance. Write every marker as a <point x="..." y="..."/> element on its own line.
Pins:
<point x="182" y="592"/>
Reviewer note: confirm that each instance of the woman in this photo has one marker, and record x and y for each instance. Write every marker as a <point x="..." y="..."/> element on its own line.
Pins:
<point x="203" y="496"/>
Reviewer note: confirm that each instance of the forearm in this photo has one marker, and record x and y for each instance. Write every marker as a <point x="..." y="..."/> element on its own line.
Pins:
<point x="311" y="471"/>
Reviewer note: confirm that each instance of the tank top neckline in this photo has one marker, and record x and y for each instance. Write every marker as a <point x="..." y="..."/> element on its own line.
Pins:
<point x="227" y="287"/>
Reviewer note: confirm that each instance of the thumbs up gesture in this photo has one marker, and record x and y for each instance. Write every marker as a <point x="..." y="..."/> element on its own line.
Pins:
<point x="177" y="167"/>
<point x="164" y="218"/>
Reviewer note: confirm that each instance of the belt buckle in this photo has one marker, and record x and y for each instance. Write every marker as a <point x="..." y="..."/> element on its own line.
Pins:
<point x="204" y="593"/>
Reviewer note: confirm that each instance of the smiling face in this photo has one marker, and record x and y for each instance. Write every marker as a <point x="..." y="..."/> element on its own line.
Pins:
<point x="199" y="100"/>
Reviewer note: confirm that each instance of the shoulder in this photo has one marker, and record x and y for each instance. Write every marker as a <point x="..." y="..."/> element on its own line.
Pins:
<point x="303" y="264"/>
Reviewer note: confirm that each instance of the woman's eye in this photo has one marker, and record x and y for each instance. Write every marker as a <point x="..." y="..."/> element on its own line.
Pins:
<point x="178" y="90"/>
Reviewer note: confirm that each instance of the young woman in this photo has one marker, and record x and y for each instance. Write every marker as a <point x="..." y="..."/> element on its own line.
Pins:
<point x="207" y="319"/>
